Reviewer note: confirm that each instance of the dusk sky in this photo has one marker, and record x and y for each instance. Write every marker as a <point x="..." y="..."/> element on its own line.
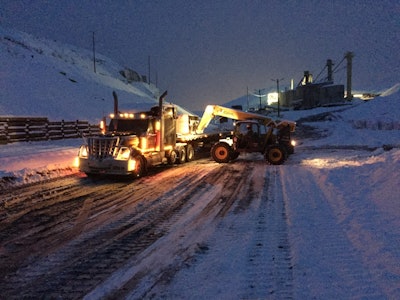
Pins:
<point x="210" y="51"/>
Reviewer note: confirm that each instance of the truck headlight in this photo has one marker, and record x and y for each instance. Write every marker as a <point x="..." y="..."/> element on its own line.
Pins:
<point x="131" y="165"/>
<point x="124" y="153"/>
<point x="83" y="151"/>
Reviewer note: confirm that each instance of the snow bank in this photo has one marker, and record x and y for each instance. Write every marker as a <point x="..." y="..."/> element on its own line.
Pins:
<point x="29" y="162"/>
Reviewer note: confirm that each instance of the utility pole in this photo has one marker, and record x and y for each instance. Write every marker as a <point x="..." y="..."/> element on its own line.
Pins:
<point x="247" y="98"/>
<point x="94" y="53"/>
<point x="148" y="62"/>
<point x="277" y="90"/>
<point x="349" y="56"/>
<point x="329" y="65"/>
<point x="258" y="94"/>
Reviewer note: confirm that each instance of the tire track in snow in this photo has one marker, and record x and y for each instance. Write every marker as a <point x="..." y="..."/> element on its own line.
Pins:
<point x="247" y="253"/>
<point x="269" y="269"/>
<point x="358" y="221"/>
<point x="110" y="228"/>
<point x="333" y="267"/>
<point x="146" y="274"/>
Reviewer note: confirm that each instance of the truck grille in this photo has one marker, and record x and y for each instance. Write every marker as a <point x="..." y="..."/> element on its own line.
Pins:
<point x="102" y="147"/>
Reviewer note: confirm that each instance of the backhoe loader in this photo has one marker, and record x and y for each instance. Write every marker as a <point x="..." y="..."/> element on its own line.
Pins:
<point x="252" y="133"/>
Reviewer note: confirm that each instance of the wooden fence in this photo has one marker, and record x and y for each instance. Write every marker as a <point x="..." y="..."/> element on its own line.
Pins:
<point x="17" y="129"/>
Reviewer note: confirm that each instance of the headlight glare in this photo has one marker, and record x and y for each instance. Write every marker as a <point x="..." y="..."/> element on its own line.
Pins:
<point x="124" y="153"/>
<point x="83" y="151"/>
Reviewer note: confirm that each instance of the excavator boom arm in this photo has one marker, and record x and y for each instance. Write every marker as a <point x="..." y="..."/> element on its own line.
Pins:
<point x="212" y="111"/>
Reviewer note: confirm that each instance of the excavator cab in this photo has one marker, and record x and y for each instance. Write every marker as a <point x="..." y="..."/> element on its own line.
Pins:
<point x="248" y="136"/>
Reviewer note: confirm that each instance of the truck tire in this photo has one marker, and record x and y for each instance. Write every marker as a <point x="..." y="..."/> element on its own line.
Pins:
<point x="220" y="152"/>
<point x="172" y="157"/>
<point x="275" y="154"/>
<point x="189" y="153"/>
<point x="181" y="155"/>
<point x="140" y="168"/>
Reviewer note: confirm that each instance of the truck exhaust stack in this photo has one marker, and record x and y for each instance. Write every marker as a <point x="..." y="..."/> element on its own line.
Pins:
<point x="115" y="103"/>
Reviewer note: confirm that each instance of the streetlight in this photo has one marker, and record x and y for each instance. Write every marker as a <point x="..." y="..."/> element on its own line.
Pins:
<point x="259" y="96"/>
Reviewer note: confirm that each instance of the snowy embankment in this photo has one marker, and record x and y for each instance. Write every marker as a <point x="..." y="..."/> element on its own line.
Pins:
<point x="344" y="217"/>
<point x="29" y="162"/>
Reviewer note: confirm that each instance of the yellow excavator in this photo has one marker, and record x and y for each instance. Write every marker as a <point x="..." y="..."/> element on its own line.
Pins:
<point x="252" y="133"/>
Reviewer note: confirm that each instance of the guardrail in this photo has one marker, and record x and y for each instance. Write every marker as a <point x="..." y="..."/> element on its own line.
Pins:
<point x="18" y="129"/>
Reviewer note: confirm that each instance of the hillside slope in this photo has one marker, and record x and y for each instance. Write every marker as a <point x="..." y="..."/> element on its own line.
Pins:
<point x="39" y="77"/>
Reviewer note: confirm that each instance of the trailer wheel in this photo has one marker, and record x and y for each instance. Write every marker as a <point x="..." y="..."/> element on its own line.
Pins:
<point x="189" y="153"/>
<point x="275" y="154"/>
<point x="220" y="152"/>
<point x="182" y="155"/>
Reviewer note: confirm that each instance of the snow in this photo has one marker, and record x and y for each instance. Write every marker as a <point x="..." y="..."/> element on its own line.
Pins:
<point x="341" y="188"/>
<point x="29" y="162"/>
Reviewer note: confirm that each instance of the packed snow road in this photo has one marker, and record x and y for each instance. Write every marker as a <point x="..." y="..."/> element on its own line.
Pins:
<point x="77" y="236"/>
<point x="204" y="230"/>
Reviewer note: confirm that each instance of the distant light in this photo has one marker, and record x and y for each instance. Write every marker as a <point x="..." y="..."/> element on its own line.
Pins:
<point x="272" y="98"/>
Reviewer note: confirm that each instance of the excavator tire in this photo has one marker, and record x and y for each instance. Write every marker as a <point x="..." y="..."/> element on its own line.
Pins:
<point x="234" y="155"/>
<point x="275" y="154"/>
<point x="221" y="152"/>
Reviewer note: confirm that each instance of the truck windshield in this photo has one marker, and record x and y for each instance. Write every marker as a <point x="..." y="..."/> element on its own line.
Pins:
<point x="131" y="126"/>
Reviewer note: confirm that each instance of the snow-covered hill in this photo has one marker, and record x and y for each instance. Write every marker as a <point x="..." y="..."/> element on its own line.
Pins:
<point x="44" y="78"/>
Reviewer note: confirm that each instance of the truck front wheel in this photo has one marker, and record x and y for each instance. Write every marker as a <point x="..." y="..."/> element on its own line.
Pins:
<point x="140" y="166"/>
<point x="220" y="152"/>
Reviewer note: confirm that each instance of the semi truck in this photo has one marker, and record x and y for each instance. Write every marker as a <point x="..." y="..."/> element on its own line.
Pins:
<point x="134" y="141"/>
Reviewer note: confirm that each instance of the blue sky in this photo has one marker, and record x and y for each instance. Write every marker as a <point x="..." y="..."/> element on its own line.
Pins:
<point x="210" y="51"/>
